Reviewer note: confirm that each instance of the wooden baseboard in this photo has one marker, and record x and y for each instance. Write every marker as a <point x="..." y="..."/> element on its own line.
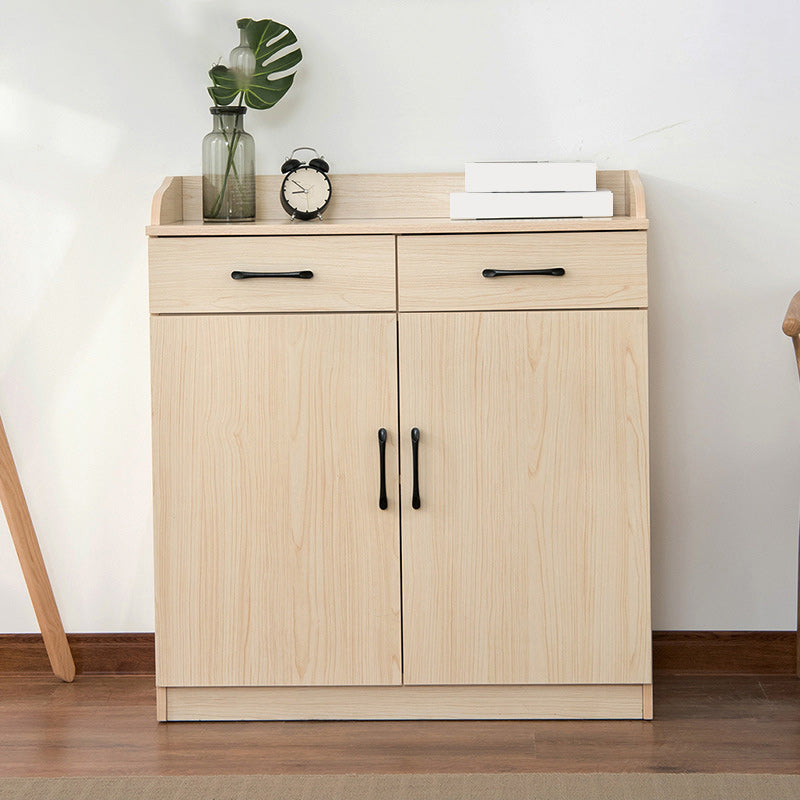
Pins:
<point x="724" y="652"/>
<point x="674" y="652"/>
<point x="93" y="653"/>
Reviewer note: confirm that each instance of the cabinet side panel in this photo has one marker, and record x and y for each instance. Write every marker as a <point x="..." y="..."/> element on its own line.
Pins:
<point x="274" y="563"/>
<point x="528" y="560"/>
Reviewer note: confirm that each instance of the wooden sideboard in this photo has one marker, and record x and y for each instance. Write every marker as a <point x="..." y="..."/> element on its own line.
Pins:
<point x="400" y="488"/>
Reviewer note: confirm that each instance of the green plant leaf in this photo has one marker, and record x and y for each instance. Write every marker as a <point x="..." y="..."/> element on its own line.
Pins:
<point x="269" y="41"/>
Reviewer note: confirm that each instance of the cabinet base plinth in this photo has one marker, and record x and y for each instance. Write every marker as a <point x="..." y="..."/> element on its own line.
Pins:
<point x="583" y="701"/>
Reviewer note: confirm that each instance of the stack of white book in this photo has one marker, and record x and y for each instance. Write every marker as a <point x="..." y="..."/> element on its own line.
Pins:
<point x="530" y="189"/>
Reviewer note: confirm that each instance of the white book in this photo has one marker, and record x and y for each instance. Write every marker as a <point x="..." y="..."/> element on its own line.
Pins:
<point x="531" y="205"/>
<point x="530" y="176"/>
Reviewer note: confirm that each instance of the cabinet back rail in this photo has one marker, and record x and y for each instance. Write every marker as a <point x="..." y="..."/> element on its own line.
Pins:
<point x="400" y="203"/>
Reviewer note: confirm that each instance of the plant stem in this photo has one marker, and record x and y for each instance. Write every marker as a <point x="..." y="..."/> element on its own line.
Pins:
<point x="232" y="145"/>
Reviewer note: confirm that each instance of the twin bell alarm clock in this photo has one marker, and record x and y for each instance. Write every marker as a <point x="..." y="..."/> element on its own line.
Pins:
<point x="306" y="188"/>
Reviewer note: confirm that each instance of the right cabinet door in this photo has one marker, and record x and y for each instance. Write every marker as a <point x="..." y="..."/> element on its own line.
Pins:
<point x="527" y="561"/>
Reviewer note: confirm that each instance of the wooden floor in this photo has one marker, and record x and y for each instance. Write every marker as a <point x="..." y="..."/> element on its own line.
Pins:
<point x="106" y="726"/>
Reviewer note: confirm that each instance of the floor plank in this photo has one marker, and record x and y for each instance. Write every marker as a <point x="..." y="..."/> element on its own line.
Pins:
<point x="106" y="726"/>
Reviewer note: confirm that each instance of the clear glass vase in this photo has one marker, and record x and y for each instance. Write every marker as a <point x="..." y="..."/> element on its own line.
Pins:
<point x="229" y="178"/>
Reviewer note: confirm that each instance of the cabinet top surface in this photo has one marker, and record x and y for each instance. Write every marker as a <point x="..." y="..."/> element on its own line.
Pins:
<point x="386" y="204"/>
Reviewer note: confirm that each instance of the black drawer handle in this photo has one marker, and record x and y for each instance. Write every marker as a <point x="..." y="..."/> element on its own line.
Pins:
<point x="238" y="275"/>
<point x="415" y="459"/>
<point x="383" y="502"/>
<point x="501" y="273"/>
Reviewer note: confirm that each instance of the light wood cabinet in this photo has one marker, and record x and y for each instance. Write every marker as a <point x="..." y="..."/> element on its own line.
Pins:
<point x="268" y="530"/>
<point x="506" y="572"/>
<point x="525" y="559"/>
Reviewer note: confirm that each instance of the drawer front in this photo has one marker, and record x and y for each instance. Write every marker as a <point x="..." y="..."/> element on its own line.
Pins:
<point x="600" y="270"/>
<point x="193" y="274"/>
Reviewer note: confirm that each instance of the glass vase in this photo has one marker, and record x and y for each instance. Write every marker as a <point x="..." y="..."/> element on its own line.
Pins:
<point x="229" y="178"/>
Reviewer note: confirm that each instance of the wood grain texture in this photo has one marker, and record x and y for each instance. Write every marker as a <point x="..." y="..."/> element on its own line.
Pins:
<point x="406" y="702"/>
<point x="398" y="203"/>
<point x="396" y="226"/>
<point x="34" y="571"/>
<point x="161" y="704"/>
<point x="274" y="564"/>
<point x="92" y="653"/>
<point x="380" y="196"/>
<point x="634" y="195"/>
<point x="617" y="183"/>
<point x="603" y="270"/>
<point x="351" y="273"/>
<point x="674" y="653"/>
<point x="167" y="206"/>
<point x="724" y="652"/>
<point x="354" y="196"/>
<point x="528" y="561"/>
<point x="105" y="726"/>
<point x="566" y="605"/>
<point x="791" y="327"/>
<point x="791" y="322"/>
<point x="647" y="701"/>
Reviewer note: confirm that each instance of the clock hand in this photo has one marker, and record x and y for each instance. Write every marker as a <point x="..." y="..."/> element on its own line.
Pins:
<point x="297" y="184"/>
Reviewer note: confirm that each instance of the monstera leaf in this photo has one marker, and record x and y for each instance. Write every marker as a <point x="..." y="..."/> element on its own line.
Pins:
<point x="268" y="40"/>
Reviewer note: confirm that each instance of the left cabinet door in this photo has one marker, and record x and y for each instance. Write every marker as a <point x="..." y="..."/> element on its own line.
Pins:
<point x="275" y="564"/>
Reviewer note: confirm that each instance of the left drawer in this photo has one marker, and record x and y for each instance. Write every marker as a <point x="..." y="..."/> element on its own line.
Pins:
<point x="192" y="275"/>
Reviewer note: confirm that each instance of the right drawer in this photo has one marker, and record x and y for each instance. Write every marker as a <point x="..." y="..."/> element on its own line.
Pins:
<point x="605" y="269"/>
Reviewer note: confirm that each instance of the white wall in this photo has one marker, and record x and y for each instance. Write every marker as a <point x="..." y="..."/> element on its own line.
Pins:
<point x="99" y="101"/>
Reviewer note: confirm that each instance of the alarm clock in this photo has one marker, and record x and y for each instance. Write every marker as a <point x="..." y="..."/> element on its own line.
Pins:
<point x="306" y="188"/>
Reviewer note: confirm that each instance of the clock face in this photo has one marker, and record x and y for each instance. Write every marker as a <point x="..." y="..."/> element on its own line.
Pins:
<point x="305" y="192"/>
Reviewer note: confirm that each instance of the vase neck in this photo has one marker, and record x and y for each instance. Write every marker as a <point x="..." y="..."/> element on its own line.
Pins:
<point x="228" y="123"/>
<point x="243" y="59"/>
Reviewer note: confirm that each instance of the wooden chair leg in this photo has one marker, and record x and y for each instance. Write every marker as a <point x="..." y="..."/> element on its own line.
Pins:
<point x="30" y="558"/>
<point x="791" y="327"/>
<point x="796" y="343"/>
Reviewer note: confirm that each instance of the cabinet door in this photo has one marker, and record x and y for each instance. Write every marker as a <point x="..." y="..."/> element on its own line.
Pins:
<point x="528" y="559"/>
<point x="274" y="563"/>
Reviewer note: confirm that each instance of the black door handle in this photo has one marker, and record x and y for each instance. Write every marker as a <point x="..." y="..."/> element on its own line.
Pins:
<point x="501" y="273"/>
<point x="415" y="459"/>
<point x="238" y="275"/>
<point x="383" y="502"/>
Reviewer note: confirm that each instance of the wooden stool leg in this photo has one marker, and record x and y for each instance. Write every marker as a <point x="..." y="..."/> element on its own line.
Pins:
<point x="30" y="558"/>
